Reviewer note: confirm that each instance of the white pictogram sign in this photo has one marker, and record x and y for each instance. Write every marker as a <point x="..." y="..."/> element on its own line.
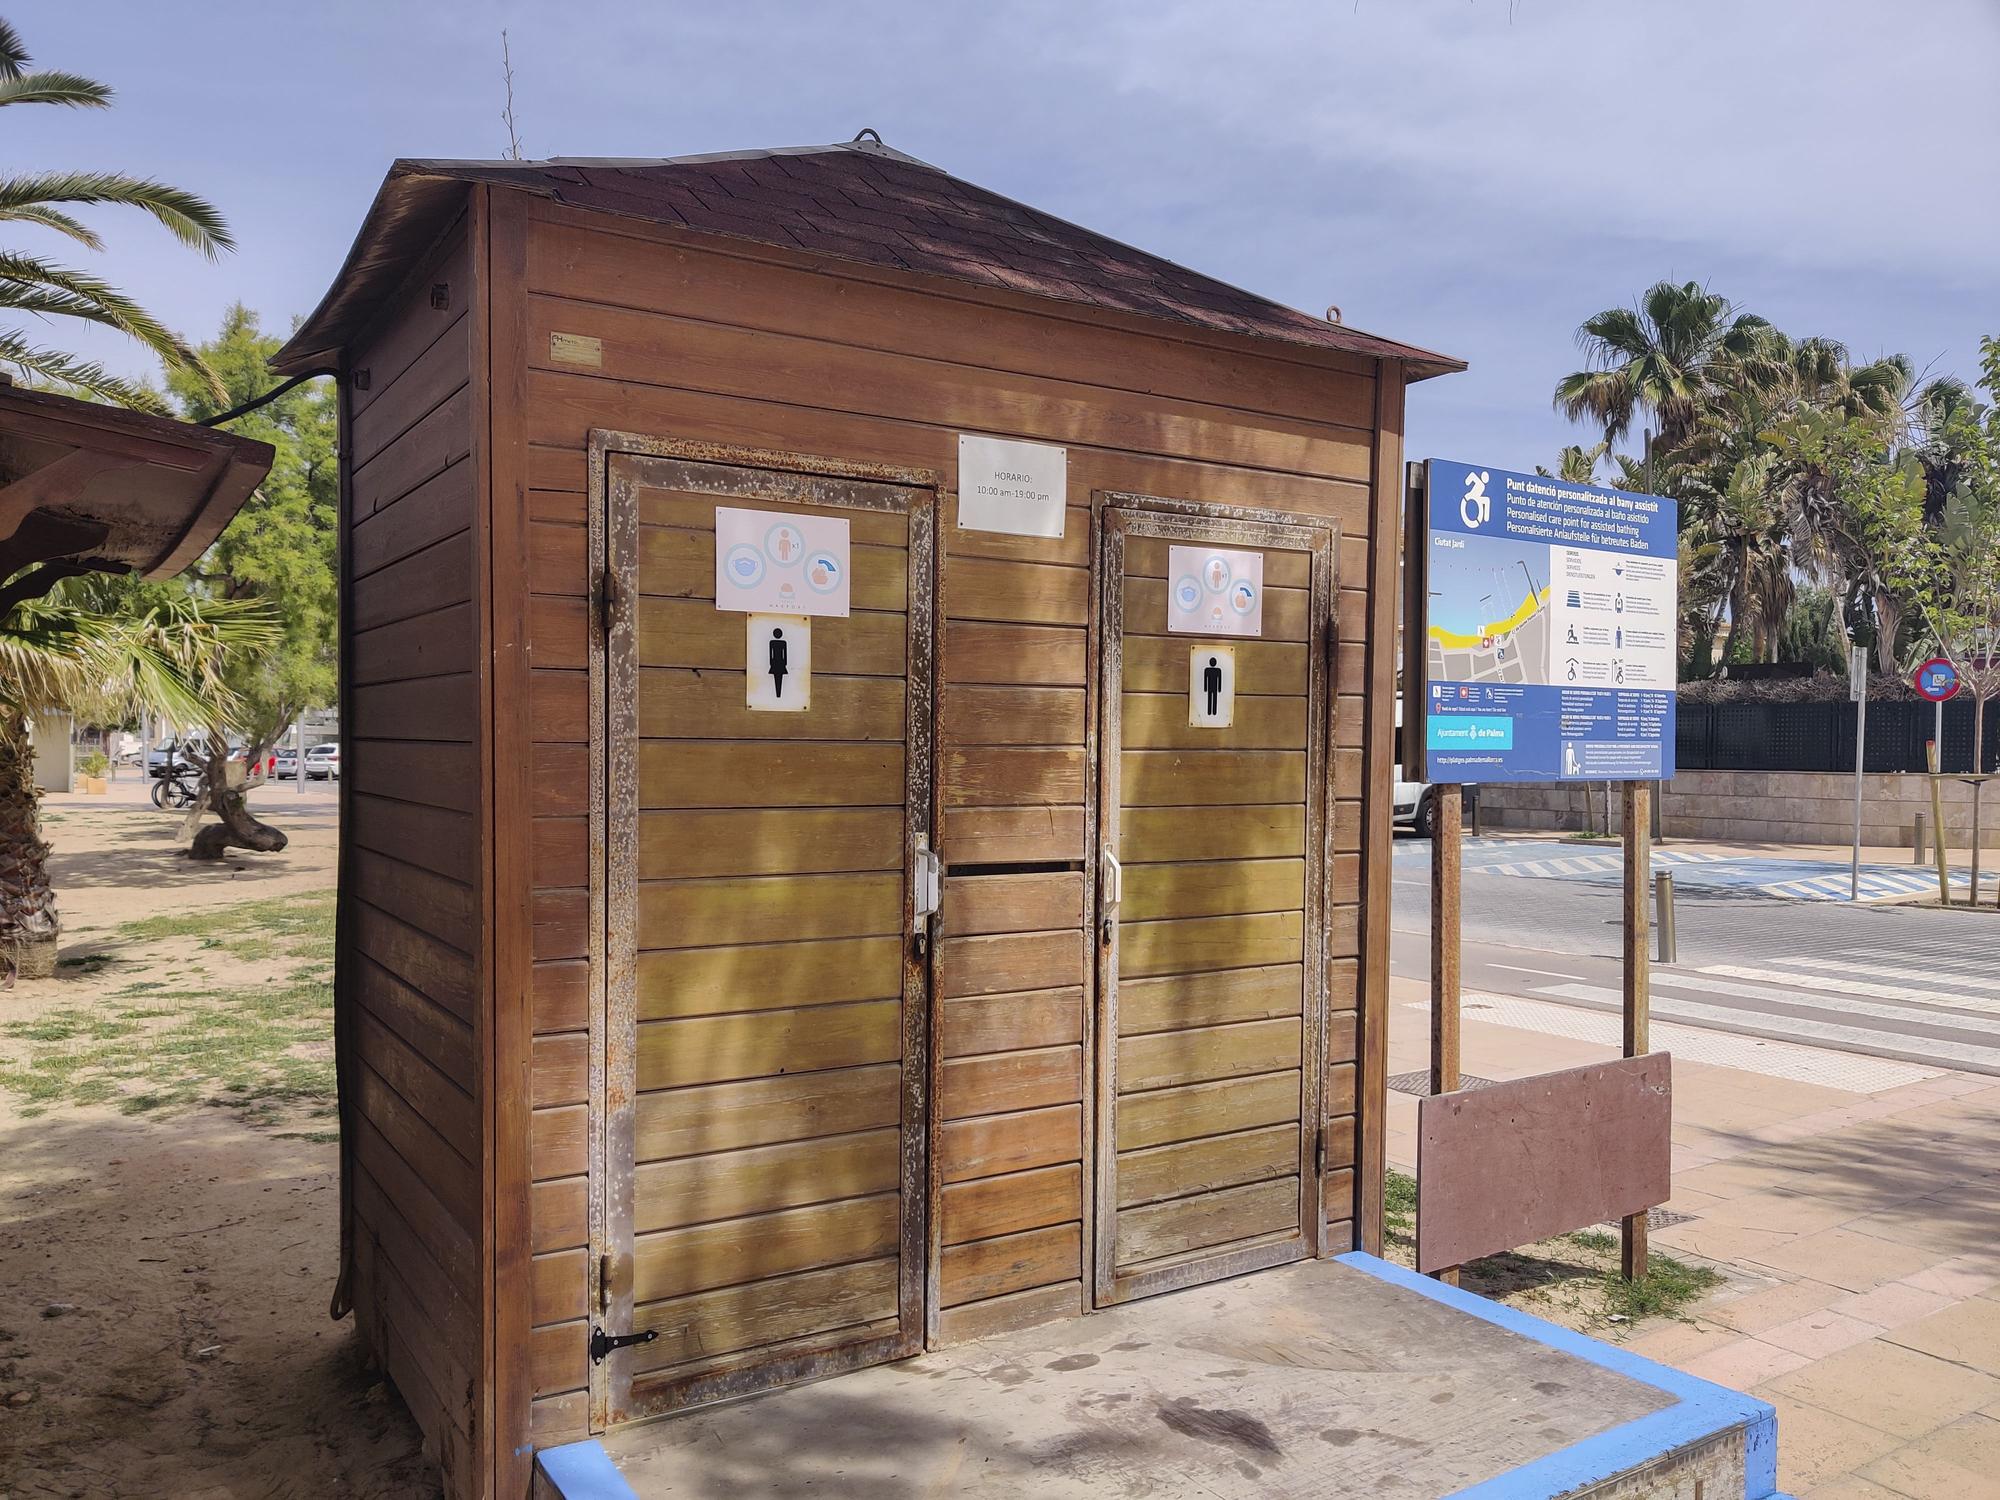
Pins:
<point x="1211" y="686"/>
<point x="774" y="562"/>
<point x="777" y="661"/>
<point x="1212" y="591"/>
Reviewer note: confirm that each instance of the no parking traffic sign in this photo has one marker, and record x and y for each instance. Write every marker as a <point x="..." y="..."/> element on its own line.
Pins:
<point x="1937" y="679"/>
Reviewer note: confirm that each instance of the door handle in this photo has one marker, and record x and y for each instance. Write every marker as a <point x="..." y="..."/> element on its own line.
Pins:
<point x="928" y="876"/>
<point x="1111" y="890"/>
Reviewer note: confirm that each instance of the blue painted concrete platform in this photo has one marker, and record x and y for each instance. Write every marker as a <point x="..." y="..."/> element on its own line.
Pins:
<point x="1335" y="1380"/>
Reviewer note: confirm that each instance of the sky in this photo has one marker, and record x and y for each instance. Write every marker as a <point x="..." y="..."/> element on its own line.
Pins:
<point x="1473" y="176"/>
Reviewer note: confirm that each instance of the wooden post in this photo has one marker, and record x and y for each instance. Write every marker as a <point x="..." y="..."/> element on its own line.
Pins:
<point x="1447" y="824"/>
<point x="1638" y="979"/>
<point x="1937" y="825"/>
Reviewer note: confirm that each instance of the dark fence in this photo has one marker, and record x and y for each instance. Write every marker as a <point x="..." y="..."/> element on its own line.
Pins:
<point x="1820" y="736"/>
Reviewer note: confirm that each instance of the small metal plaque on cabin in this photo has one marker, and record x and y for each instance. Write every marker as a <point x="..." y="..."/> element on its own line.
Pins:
<point x="1211" y="687"/>
<point x="1020" y="489"/>
<point x="576" y="349"/>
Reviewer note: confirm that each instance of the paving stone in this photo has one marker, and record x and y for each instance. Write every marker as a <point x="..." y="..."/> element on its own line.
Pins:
<point x="1966" y="1334"/>
<point x="1816" y="1445"/>
<point x="1915" y="1470"/>
<point x="1756" y="1311"/>
<point x="1961" y="1276"/>
<point x="1886" y="1386"/>
<point x="1891" y="1304"/>
<point x="1971" y="1442"/>
<point x="1744" y="1362"/>
<point x="1858" y="1262"/>
<point x="1819" y="1334"/>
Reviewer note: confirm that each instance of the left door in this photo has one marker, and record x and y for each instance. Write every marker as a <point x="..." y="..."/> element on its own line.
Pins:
<point x="762" y="1205"/>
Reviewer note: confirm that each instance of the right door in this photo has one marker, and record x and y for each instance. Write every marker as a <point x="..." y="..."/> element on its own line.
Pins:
<point x="1211" y="941"/>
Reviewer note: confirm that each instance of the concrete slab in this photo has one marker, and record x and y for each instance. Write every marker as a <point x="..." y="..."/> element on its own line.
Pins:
<point x="1327" y="1379"/>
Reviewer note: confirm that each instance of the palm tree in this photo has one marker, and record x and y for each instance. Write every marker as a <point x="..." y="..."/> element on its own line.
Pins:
<point x="1662" y="356"/>
<point x="38" y="287"/>
<point x="164" y="655"/>
<point x="1576" y="464"/>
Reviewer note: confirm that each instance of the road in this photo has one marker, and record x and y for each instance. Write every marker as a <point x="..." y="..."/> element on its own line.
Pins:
<point x="1917" y="985"/>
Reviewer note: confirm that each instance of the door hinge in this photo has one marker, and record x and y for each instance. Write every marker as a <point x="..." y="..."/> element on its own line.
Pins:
<point x="607" y="599"/>
<point x="602" y="1343"/>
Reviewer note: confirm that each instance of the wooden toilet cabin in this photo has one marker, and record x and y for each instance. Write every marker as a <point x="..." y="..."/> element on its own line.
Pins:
<point x="1030" y="958"/>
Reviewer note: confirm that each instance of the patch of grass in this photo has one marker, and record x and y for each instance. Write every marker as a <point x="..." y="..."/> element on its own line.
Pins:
<point x="259" y="1049"/>
<point x="1573" y="1278"/>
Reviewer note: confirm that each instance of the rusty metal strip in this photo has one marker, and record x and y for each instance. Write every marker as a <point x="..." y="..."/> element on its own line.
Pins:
<point x="1103" y="930"/>
<point x="1093" y="658"/>
<point x="1199" y="1267"/>
<point x="917" y="1212"/>
<point x="614" y="915"/>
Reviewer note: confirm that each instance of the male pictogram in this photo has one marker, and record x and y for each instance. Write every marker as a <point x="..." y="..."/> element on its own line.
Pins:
<point x="1211" y="684"/>
<point x="780" y="657"/>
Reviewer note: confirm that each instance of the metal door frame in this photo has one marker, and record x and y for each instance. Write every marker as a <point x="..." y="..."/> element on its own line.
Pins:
<point x="798" y="479"/>
<point x="1185" y="521"/>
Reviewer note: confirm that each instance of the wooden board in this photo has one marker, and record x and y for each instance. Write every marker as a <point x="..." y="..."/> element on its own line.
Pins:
<point x="1515" y="1162"/>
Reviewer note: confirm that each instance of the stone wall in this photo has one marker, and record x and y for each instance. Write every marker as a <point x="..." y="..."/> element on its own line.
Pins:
<point x="1761" y="807"/>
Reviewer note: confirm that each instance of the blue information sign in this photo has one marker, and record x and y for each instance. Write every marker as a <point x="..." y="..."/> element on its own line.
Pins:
<point x="1550" y="648"/>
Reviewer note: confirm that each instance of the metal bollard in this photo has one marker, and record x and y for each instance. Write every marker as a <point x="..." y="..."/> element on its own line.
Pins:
<point x="1917" y="841"/>
<point x="1663" y="904"/>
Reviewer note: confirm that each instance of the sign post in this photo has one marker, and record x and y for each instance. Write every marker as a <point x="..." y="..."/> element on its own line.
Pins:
<point x="1938" y="680"/>
<point x="1540" y="642"/>
<point x="1857" y="689"/>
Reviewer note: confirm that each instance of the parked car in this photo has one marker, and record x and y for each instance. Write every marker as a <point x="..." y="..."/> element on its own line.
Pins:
<point x="285" y="764"/>
<point x="1414" y="806"/>
<point x="323" y="762"/>
<point x="175" y="755"/>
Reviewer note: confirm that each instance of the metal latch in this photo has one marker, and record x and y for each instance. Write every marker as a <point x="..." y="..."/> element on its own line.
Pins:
<point x="602" y="1343"/>
<point x="1110" y="889"/>
<point x="928" y="878"/>
<point x="607" y="599"/>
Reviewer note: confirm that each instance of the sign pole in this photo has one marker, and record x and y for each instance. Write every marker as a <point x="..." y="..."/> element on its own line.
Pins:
<point x="1857" y="686"/>
<point x="1638" y="982"/>
<point x="1937" y="826"/>
<point x="1447" y="823"/>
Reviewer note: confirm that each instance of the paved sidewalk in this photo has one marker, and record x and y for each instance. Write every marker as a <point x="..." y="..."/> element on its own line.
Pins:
<point x="1854" y="1206"/>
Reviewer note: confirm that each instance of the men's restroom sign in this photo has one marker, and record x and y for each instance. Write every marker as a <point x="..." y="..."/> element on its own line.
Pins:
<point x="1211" y="591"/>
<point x="1211" y="686"/>
<point x="777" y="661"/>
<point x="772" y="562"/>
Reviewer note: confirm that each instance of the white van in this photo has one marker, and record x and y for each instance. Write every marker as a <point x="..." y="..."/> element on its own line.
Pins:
<point x="1413" y="804"/>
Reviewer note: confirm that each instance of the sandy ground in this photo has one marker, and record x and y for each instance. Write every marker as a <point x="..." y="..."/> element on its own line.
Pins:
<point x="164" y="1279"/>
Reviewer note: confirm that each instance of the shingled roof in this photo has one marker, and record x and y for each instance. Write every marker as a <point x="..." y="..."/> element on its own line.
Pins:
<point x="857" y="201"/>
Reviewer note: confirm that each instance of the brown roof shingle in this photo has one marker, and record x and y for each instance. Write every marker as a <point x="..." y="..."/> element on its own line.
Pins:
<point x="858" y="201"/>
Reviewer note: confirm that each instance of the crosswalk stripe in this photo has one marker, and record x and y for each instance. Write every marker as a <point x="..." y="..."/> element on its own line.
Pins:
<point x="1931" y="997"/>
<point x="1797" y="1028"/>
<point x="1773" y="1059"/>
<point x="1978" y="1025"/>
<point x="1884" y="971"/>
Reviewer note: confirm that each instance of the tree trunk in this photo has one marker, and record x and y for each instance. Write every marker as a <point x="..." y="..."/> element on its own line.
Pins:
<point x="28" y="924"/>
<point x="238" y="829"/>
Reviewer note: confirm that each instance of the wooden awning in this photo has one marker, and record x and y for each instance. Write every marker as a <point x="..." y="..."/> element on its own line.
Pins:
<point x="92" y="488"/>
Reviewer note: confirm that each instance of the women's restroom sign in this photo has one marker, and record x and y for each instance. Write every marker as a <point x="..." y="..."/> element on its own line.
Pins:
<point x="773" y="562"/>
<point x="1212" y="591"/>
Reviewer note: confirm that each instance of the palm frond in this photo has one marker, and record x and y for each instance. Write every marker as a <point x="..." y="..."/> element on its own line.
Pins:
<point x="81" y="375"/>
<point x="191" y="219"/>
<point x="14" y="57"/>
<point x="56" y="219"/>
<point x="22" y="274"/>
<point x="72" y="89"/>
